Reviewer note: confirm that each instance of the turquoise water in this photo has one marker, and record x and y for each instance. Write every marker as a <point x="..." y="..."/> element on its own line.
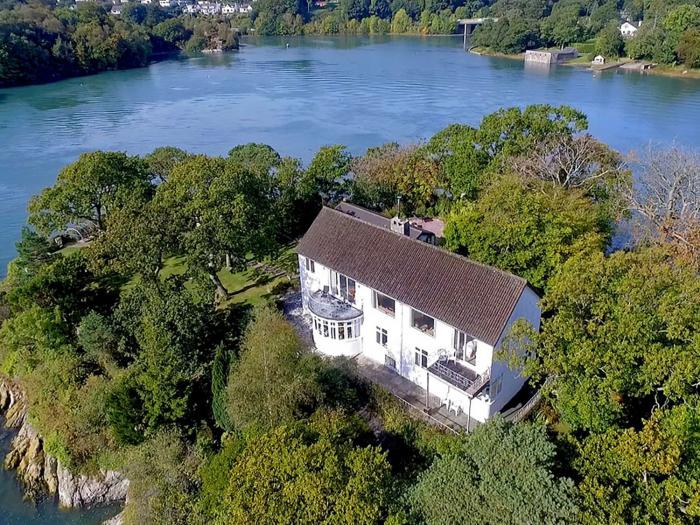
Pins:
<point x="15" y="511"/>
<point x="321" y="90"/>
<point x="356" y="91"/>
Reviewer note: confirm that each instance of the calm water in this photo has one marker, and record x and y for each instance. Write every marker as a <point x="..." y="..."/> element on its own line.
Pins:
<point x="354" y="91"/>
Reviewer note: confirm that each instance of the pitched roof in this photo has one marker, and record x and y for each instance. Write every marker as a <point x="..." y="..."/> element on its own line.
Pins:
<point x="472" y="297"/>
<point x="376" y="219"/>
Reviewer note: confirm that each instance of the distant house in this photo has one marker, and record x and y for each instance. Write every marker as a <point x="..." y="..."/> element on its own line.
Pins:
<point x="165" y="3"/>
<point x="229" y="9"/>
<point x="116" y="10"/>
<point x="628" y="29"/>
<point x="427" y="317"/>
<point x="599" y="60"/>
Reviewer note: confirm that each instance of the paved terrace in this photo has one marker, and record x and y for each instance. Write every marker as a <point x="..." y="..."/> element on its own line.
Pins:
<point x="413" y="397"/>
<point x="410" y="395"/>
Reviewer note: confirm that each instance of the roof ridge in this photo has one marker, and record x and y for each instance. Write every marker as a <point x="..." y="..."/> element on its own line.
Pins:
<point x="431" y="246"/>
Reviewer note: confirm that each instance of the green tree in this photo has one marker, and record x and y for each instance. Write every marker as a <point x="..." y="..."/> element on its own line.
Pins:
<point x="682" y="18"/>
<point x="275" y="378"/>
<point x="514" y="131"/>
<point x="219" y="378"/>
<point x="354" y="9"/>
<point x="640" y="475"/>
<point x="527" y="229"/>
<point x="162" y="482"/>
<point x="461" y="160"/>
<point x="609" y="42"/>
<point x="510" y="35"/>
<point x="603" y="16"/>
<point x="562" y="27"/>
<point x="620" y="335"/>
<point x="88" y="190"/>
<point x="173" y="335"/>
<point x="162" y="161"/>
<point x="218" y="212"/>
<point x="508" y="471"/>
<point x="401" y="22"/>
<point x="689" y="48"/>
<point x="137" y="240"/>
<point x="324" y="474"/>
<point x="328" y="169"/>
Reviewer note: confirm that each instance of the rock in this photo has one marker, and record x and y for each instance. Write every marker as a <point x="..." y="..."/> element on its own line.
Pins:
<point x="41" y="473"/>
<point x="83" y="491"/>
<point x="50" y="474"/>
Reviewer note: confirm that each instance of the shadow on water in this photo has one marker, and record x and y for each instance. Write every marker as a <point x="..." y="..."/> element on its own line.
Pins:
<point x="15" y="510"/>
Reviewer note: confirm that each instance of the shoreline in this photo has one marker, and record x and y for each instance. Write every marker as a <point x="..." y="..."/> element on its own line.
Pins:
<point x="664" y="71"/>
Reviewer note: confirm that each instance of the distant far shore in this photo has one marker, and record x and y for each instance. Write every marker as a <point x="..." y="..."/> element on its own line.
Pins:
<point x="659" y="70"/>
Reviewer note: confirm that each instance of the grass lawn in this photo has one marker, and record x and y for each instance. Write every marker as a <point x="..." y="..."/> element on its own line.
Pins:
<point x="253" y="285"/>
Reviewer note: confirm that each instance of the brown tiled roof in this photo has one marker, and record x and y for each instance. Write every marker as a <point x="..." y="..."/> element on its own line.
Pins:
<point x="472" y="297"/>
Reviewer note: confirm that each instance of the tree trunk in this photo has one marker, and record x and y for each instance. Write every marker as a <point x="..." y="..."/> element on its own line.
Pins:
<point x="221" y="292"/>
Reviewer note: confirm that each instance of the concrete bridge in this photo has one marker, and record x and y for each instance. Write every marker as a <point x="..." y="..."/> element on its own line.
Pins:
<point x="470" y="24"/>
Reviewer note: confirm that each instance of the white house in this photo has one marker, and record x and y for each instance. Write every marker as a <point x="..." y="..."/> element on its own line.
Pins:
<point x="228" y="9"/>
<point x="628" y="29"/>
<point x="432" y="316"/>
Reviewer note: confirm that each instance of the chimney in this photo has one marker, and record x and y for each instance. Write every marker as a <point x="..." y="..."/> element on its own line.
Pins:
<point x="401" y="226"/>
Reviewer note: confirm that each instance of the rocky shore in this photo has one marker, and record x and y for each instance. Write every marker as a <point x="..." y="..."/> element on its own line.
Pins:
<point x="41" y="473"/>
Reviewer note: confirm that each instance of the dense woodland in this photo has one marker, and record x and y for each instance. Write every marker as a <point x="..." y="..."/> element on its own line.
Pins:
<point x="40" y="42"/>
<point x="670" y="32"/>
<point x="141" y="351"/>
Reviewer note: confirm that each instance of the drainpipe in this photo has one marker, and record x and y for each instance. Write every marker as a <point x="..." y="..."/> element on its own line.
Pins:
<point x="469" y="414"/>
<point x="427" y="391"/>
<point x="401" y="365"/>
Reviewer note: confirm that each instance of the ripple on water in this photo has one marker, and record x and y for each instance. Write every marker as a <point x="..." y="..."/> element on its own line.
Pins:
<point x="353" y="91"/>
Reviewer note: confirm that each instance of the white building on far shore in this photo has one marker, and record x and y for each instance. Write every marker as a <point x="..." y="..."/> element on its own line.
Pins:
<point x="629" y="29"/>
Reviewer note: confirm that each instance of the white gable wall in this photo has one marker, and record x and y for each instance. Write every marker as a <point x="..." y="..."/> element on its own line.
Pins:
<point x="403" y="339"/>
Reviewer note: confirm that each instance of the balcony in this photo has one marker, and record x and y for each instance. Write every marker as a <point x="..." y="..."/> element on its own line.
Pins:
<point x="460" y="376"/>
<point x="329" y="307"/>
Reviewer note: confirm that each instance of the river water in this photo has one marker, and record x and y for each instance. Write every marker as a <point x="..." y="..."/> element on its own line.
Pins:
<point x="14" y="510"/>
<point x="320" y="90"/>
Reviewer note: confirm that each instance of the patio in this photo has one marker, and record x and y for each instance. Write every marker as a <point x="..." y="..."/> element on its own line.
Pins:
<point x="413" y="397"/>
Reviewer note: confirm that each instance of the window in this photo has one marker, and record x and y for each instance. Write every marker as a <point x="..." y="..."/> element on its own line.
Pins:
<point x="495" y="387"/>
<point x="390" y="361"/>
<point x="337" y="329"/>
<point x="310" y="265"/>
<point x="382" y="337"/>
<point x="422" y="322"/>
<point x="465" y="346"/>
<point x="421" y="358"/>
<point x="343" y="286"/>
<point x="384" y="304"/>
